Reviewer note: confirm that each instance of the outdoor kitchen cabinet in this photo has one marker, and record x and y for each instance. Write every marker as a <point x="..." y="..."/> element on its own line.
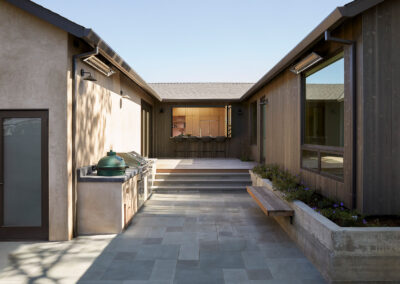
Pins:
<point x="106" y="205"/>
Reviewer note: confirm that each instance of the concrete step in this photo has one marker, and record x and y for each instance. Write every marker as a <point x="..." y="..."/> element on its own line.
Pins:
<point x="165" y="188"/>
<point x="203" y="176"/>
<point x="191" y="181"/>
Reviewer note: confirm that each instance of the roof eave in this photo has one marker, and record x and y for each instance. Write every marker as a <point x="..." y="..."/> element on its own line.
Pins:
<point x="94" y="40"/>
<point x="200" y="100"/>
<point x="336" y="17"/>
<point x="87" y="35"/>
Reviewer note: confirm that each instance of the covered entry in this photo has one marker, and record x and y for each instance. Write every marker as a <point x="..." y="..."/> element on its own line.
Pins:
<point x="23" y="175"/>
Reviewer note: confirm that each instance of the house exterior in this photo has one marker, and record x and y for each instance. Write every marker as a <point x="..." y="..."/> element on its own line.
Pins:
<point x="339" y="132"/>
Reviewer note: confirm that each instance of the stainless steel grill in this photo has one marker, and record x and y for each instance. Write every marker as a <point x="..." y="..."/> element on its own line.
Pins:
<point x="145" y="174"/>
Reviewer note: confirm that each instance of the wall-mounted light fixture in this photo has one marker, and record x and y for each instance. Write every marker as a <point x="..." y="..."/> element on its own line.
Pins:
<point x="239" y="111"/>
<point x="124" y="96"/>
<point x="99" y="65"/>
<point x="263" y="101"/>
<point x="306" y="63"/>
<point x="88" y="78"/>
<point x="161" y="110"/>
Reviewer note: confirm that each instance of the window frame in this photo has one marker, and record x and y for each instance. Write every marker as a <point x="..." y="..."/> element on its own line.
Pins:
<point x="253" y="122"/>
<point x="314" y="147"/>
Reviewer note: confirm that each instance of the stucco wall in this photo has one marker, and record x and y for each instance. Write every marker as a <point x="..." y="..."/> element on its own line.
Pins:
<point x="105" y="120"/>
<point x="33" y="76"/>
<point x="36" y="62"/>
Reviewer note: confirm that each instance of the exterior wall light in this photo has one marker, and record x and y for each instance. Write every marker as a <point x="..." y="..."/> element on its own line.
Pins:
<point x="88" y="78"/>
<point x="306" y="63"/>
<point x="99" y="65"/>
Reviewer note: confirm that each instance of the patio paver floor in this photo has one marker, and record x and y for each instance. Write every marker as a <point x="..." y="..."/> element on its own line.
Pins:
<point x="218" y="237"/>
<point x="187" y="237"/>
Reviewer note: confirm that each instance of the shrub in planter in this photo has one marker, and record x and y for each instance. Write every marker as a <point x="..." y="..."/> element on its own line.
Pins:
<point x="293" y="189"/>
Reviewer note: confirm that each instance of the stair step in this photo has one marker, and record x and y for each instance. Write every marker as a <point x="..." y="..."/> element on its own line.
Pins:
<point x="197" y="188"/>
<point x="202" y="180"/>
<point x="204" y="174"/>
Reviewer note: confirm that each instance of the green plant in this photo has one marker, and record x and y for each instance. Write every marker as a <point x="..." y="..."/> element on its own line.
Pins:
<point x="293" y="189"/>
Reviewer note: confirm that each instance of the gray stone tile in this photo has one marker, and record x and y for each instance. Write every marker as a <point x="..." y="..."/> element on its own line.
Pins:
<point x="179" y="238"/>
<point x="127" y="256"/>
<point x="235" y="275"/>
<point x="282" y="252"/>
<point x="197" y="275"/>
<point x="99" y="282"/>
<point x="125" y="244"/>
<point x="96" y="270"/>
<point x="259" y="274"/>
<point x="208" y="245"/>
<point x="237" y="244"/>
<point x="152" y="241"/>
<point x="156" y="232"/>
<point x="148" y="282"/>
<point x="292" y="268"/>
<point x="221" y="259"/>
<point x="158" y="252"/>
<point x="129" y="270"/>
<point x="164" y="269"/>
<point x="189" y="252"/>
<point x="254" y="260"/>
<point x="174" y="229"/>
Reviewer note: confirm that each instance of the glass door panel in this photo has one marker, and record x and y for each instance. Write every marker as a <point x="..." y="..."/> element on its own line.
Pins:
<point x="23" y="175"/>
<point x="22" y="172"/>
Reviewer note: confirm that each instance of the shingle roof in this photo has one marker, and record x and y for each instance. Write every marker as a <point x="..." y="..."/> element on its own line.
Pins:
<point x="200" y="91"/>
<point x="331" y="92"/>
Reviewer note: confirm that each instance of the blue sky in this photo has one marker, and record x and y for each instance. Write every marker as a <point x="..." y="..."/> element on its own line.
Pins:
<point x="198" y="40"/>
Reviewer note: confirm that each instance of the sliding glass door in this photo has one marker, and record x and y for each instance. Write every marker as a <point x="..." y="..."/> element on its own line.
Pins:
<point x="23" y="175"/>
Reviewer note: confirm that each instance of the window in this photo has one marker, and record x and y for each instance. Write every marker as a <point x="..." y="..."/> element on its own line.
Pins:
<point x="323" y="118"/>
<point x="253" y="123"/>
<point x="201" y="121"/>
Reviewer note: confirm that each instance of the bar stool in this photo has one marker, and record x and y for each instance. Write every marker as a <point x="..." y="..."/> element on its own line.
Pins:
<point x="213" y="147"/>
<point x="179" y="140"/>
<point x="221" y="145"/>
<point x="206" y="141"/>
<point x="191" y="143"/>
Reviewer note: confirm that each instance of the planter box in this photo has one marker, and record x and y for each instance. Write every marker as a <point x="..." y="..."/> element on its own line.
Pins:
<point x="342" y="254"/>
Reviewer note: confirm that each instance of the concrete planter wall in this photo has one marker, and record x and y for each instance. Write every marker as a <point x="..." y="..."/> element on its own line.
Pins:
<point x="342" y="254"/>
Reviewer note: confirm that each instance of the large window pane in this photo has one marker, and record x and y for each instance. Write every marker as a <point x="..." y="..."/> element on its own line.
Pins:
<point x="324" y="104"/>
<point x="199" y="121"/>
<point x="309" y="160"/>
<point x="332" y="164"/>
<point x="22" y="172"/>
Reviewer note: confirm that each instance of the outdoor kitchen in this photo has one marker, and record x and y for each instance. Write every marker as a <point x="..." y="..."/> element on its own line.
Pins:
<point x="112" y="192"/>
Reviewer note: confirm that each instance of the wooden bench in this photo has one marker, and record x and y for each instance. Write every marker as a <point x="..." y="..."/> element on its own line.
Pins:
<point x="271" y="204"/>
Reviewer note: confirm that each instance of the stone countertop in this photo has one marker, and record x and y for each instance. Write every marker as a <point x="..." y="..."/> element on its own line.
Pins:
<point x="87" y="174"/>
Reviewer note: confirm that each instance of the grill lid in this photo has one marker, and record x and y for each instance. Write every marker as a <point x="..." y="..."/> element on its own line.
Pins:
<point x="111" y="165"/>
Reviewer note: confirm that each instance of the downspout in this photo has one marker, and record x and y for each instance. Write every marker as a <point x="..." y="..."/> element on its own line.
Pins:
<point x="353" y="67"/>
<point x="73" y="120"/>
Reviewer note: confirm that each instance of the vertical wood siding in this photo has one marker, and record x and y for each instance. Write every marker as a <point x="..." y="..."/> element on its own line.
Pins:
<point x="381" y="104"/>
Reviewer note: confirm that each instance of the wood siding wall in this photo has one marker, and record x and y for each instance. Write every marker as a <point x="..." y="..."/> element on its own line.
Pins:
<point x="381" y="105"/>
<point x="283" y="125"/>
